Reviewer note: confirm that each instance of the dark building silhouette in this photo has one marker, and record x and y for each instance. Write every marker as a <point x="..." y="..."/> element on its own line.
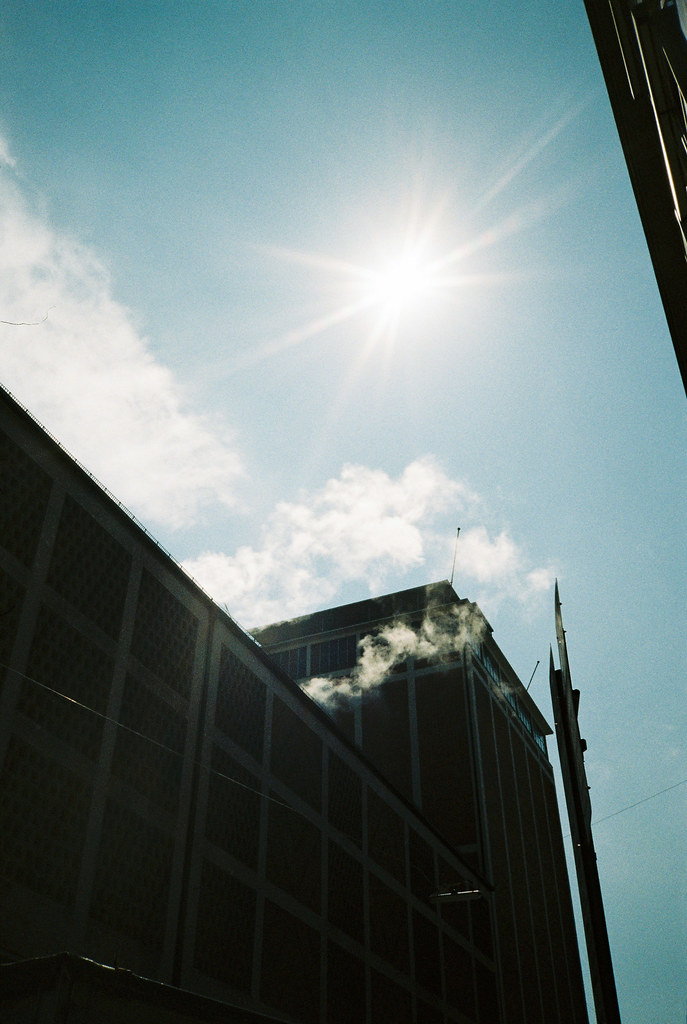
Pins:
<point x="452" y="726"/>
<point x="172" y="804"/>
<point x="642" y="48"/>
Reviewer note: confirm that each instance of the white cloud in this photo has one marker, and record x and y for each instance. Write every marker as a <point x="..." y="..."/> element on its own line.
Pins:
<point x="361" y="526"/>
<point x="73" y="355"/>
<point x="89" y="376"/>
<point x="6" y="158"/>
<point x="500" y="566"/>
<point x="366" y="527"/>
<point x="486" y="560"/>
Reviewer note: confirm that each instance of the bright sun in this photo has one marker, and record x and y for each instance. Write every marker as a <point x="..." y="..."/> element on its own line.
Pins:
<point x="384" y="294"/>
<point x="399" y="285"/>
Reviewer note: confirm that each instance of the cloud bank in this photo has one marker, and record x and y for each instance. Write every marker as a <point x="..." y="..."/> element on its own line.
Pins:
<point x="72" y="354"/>
<point x="363" y="527"/>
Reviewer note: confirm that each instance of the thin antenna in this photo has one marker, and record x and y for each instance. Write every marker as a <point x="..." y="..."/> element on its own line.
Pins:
<point x="532" y="676"/>
<point x="455" y="552"/>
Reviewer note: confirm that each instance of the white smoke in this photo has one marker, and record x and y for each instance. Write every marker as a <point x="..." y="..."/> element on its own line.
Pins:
<point x="442" y="632"/>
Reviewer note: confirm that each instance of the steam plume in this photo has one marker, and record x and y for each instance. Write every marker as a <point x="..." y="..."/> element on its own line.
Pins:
<point x="442" y="632"/>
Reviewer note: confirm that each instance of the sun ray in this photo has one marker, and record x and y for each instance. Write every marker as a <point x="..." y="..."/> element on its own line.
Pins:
<point x="383" y="293"/>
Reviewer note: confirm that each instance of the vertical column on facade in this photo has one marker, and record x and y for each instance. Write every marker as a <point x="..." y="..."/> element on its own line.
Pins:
<point x="262" y="848"/>
<point x="194" y="772"/>
<point x="415" y="773"/>
<point x="109" y="737"/>
<point x="546" y="909"/>
<point x="483" y="824"/>
<point x="442" y="957"/>
<point x="475" y="753"/>
<point x="409" y="911"/>
<point x="324" y="882"/>
<point x="29" y="614"/>
<point x="525" y="885"/>
<point x="366" y="894"/>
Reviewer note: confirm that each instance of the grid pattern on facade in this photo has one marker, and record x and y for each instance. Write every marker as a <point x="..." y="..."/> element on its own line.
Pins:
<point x="24" y="492"/>
<point x="389" y="924"/>
<point x="389" y="1000"/>
<point x="84" y="554"/>
<point x="43" y="818"/>
<point x="294" y="854"/>
<point x="386" y="837"/>
<point x="11" y="598"/>
<point x="240" y="708"/>
<point x="345" y="799"/>
<point x="296" y="754"/>
<point x="291" y="950"/>
<point x="224" y="945"/>
<point x="294" y="661"/>
<point x="149" y="747"/>
<point x="306" y="879"/>
<point x="232" y="822"/>
<point x="333" y="655"/>
<point x="165" y="633"/>
<point x="386" y="733"/>
<point x="345" y="986"/>
<point x="69" y="663"/>
<point x="133" y="869"/>
<point x="345" y="902"/>
<point x="459" y="736"/>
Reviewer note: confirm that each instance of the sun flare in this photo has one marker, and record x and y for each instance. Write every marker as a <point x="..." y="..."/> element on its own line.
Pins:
<point x="400" y="284"/>
<point x="386" y="292"/>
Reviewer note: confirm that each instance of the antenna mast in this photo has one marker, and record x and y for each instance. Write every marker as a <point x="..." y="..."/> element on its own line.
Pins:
<point x="455" y="552"/>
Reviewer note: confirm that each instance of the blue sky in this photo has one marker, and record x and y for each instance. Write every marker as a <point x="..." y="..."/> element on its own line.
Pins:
<point x="203" y="198"/>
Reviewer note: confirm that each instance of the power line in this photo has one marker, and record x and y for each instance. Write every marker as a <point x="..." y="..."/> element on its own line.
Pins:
<point x="149" y="739"/>
<point x="170" y="750"/>
<point x="642" y="801"/>
<point x="645" y="799"/>
<point x="257" y="792"/>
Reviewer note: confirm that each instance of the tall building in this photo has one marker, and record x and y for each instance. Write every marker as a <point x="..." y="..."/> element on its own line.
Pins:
<point x="642" y="48"/>
<point x="173" y="804"/>
<point x="437" y="708"/>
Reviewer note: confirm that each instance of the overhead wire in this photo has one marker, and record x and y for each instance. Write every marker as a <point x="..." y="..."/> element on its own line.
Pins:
<point x="150" y="739"/>
<point x="168" y="749"/>
<point x="257" y="792"/>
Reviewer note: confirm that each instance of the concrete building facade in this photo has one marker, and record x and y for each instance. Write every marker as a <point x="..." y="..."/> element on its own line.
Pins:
<point x="642" y="49"/>
<point x="173" y="804"/>
<point x="452" y="726"/>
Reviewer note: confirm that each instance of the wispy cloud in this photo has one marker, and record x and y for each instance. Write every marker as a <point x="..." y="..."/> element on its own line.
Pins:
<point x="6" y="158"/>
<point x="366" y="527"/>
<point x="88" y="374"/>
<point x="500" y="568"/>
